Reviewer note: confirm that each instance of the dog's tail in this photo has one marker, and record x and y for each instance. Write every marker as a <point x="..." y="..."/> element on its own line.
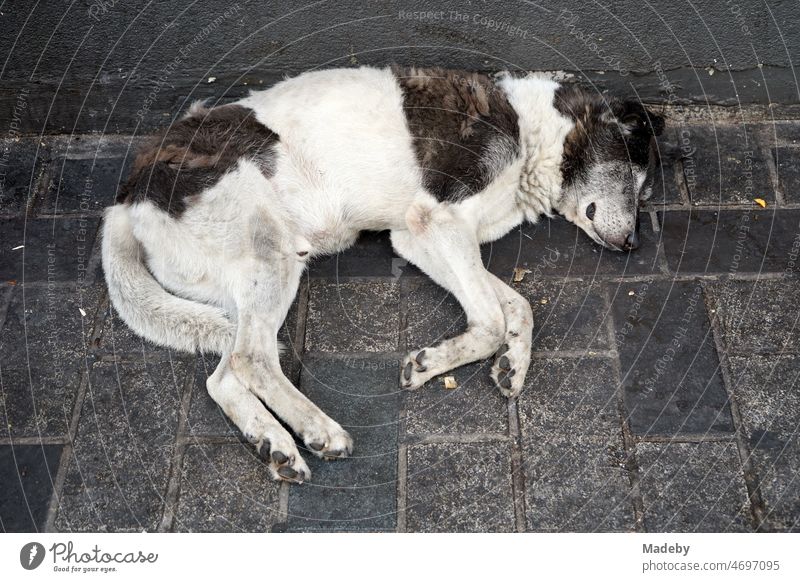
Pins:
<point x="146" y="306"/>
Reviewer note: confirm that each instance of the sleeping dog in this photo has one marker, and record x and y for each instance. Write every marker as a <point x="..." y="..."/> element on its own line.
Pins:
<point x="213" y="229"/>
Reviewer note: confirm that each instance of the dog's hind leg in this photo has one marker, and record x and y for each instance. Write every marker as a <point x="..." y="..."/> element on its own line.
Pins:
<point x="440" y="243"/>
<point x="266" y="293"/>
<point x="273" y="442"/>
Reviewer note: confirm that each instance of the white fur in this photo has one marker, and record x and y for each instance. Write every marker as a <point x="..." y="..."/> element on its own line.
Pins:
<point x="161" y="317"/>
<point x="542" y="133"/>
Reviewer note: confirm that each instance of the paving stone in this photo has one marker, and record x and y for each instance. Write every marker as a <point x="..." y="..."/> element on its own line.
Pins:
<point x="787" y="163"/>
<point x="370" y="256"/>
<point x="573" y="455"/>
<point x="292" y="345"/>
<point x="206" y="418"/>
<point x="117" y="478"/>
<point x="46" y="323"/>
<point x="42" y="357"/>
<point x="730" y="241"/>
<point x="84" y="185"/>
<point x="54" y="249"/>
<point x="22" y="163"/>
<point x="353" y="316"/>
<point x="566" y="396"/>
<point x="577" y="485"/>
<point x="475" y="407"/>
<point x="37" y="402"/>
<point x="785" y="131"/>
<point x="766" y="389"/>
<point x="115" y="340"/>
<point x="433" y="314"/>
<point x="669" y="365"/>
<point x="107" y="145"/>
<point x="27" y="473"/>
<point x="777" y="474"/>
<point x="693" y="487"/>
<point x="665" y="186"/>
<point x="358" y="493"/>
<point x="557" y="248"/>
<point x="460" y="487"/>
<point x="567" y="315"/>
<point x="725" y="165"/>
<point x="6" y="292"/>
<point x="758" y="316"/>
<point x="226" y="488"/>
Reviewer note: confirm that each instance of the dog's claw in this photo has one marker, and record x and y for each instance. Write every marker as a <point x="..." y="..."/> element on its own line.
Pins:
<point x="418" y="367"/>
<point x="279" y="458"/>
<point x="287" y="473"/>
<point x="407" y="371"/>
<point x="331" y="442"/>
<point x="263" y="450"/>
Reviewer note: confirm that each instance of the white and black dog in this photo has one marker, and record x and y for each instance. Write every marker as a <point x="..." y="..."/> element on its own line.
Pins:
<point x="206" y="245"/>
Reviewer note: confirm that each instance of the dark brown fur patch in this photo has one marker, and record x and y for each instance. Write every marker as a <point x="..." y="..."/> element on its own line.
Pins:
<point x="465" y="130"/>
<point x="194" y="153"/>
<point x="604" y="131"/>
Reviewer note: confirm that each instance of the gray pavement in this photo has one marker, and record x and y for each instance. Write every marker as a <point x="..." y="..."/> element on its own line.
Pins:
<point x="663" y="393"/>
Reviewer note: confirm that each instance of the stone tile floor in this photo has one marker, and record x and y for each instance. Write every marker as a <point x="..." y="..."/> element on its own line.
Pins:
<point x="663" y="394"/>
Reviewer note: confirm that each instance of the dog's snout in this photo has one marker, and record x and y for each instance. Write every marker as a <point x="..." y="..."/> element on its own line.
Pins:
<point x="631" y="242"/>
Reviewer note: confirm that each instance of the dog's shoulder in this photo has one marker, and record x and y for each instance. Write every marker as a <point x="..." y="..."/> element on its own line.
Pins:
<point x="464" y="129"/>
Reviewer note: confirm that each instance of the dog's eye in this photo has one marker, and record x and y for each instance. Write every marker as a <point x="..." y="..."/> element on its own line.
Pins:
<point x="590" y="211"/>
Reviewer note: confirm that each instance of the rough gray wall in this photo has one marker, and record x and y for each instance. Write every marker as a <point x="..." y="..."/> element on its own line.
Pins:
<point x="113" y="65"/>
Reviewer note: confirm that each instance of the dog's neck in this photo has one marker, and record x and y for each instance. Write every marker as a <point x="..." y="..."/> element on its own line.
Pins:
<point x="542" y="131"/>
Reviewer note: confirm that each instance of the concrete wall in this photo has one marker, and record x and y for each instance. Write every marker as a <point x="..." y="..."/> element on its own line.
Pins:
<point x="114" y="65"/>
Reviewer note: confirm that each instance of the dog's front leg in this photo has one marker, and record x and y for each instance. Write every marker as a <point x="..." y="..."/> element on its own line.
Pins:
<point x="514" y="356"/>
<point x="445" y="247"/>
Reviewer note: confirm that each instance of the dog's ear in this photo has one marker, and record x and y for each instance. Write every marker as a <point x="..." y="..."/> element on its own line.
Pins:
<point x="635" y="119"/>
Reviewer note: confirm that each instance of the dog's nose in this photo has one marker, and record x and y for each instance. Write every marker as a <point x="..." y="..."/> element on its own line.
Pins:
<point x="631" y="242"/>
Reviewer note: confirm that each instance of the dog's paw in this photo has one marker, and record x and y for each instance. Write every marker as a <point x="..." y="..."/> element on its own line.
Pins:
<point x="328" y="441"/>
<point x="281" y="455"/>
<point x="510" y="366"/>
<point x="417" y="368"/>
<point x="285" y="464"/>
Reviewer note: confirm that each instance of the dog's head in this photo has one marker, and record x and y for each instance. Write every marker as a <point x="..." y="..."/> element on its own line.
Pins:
<point x="605" y="165"/>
